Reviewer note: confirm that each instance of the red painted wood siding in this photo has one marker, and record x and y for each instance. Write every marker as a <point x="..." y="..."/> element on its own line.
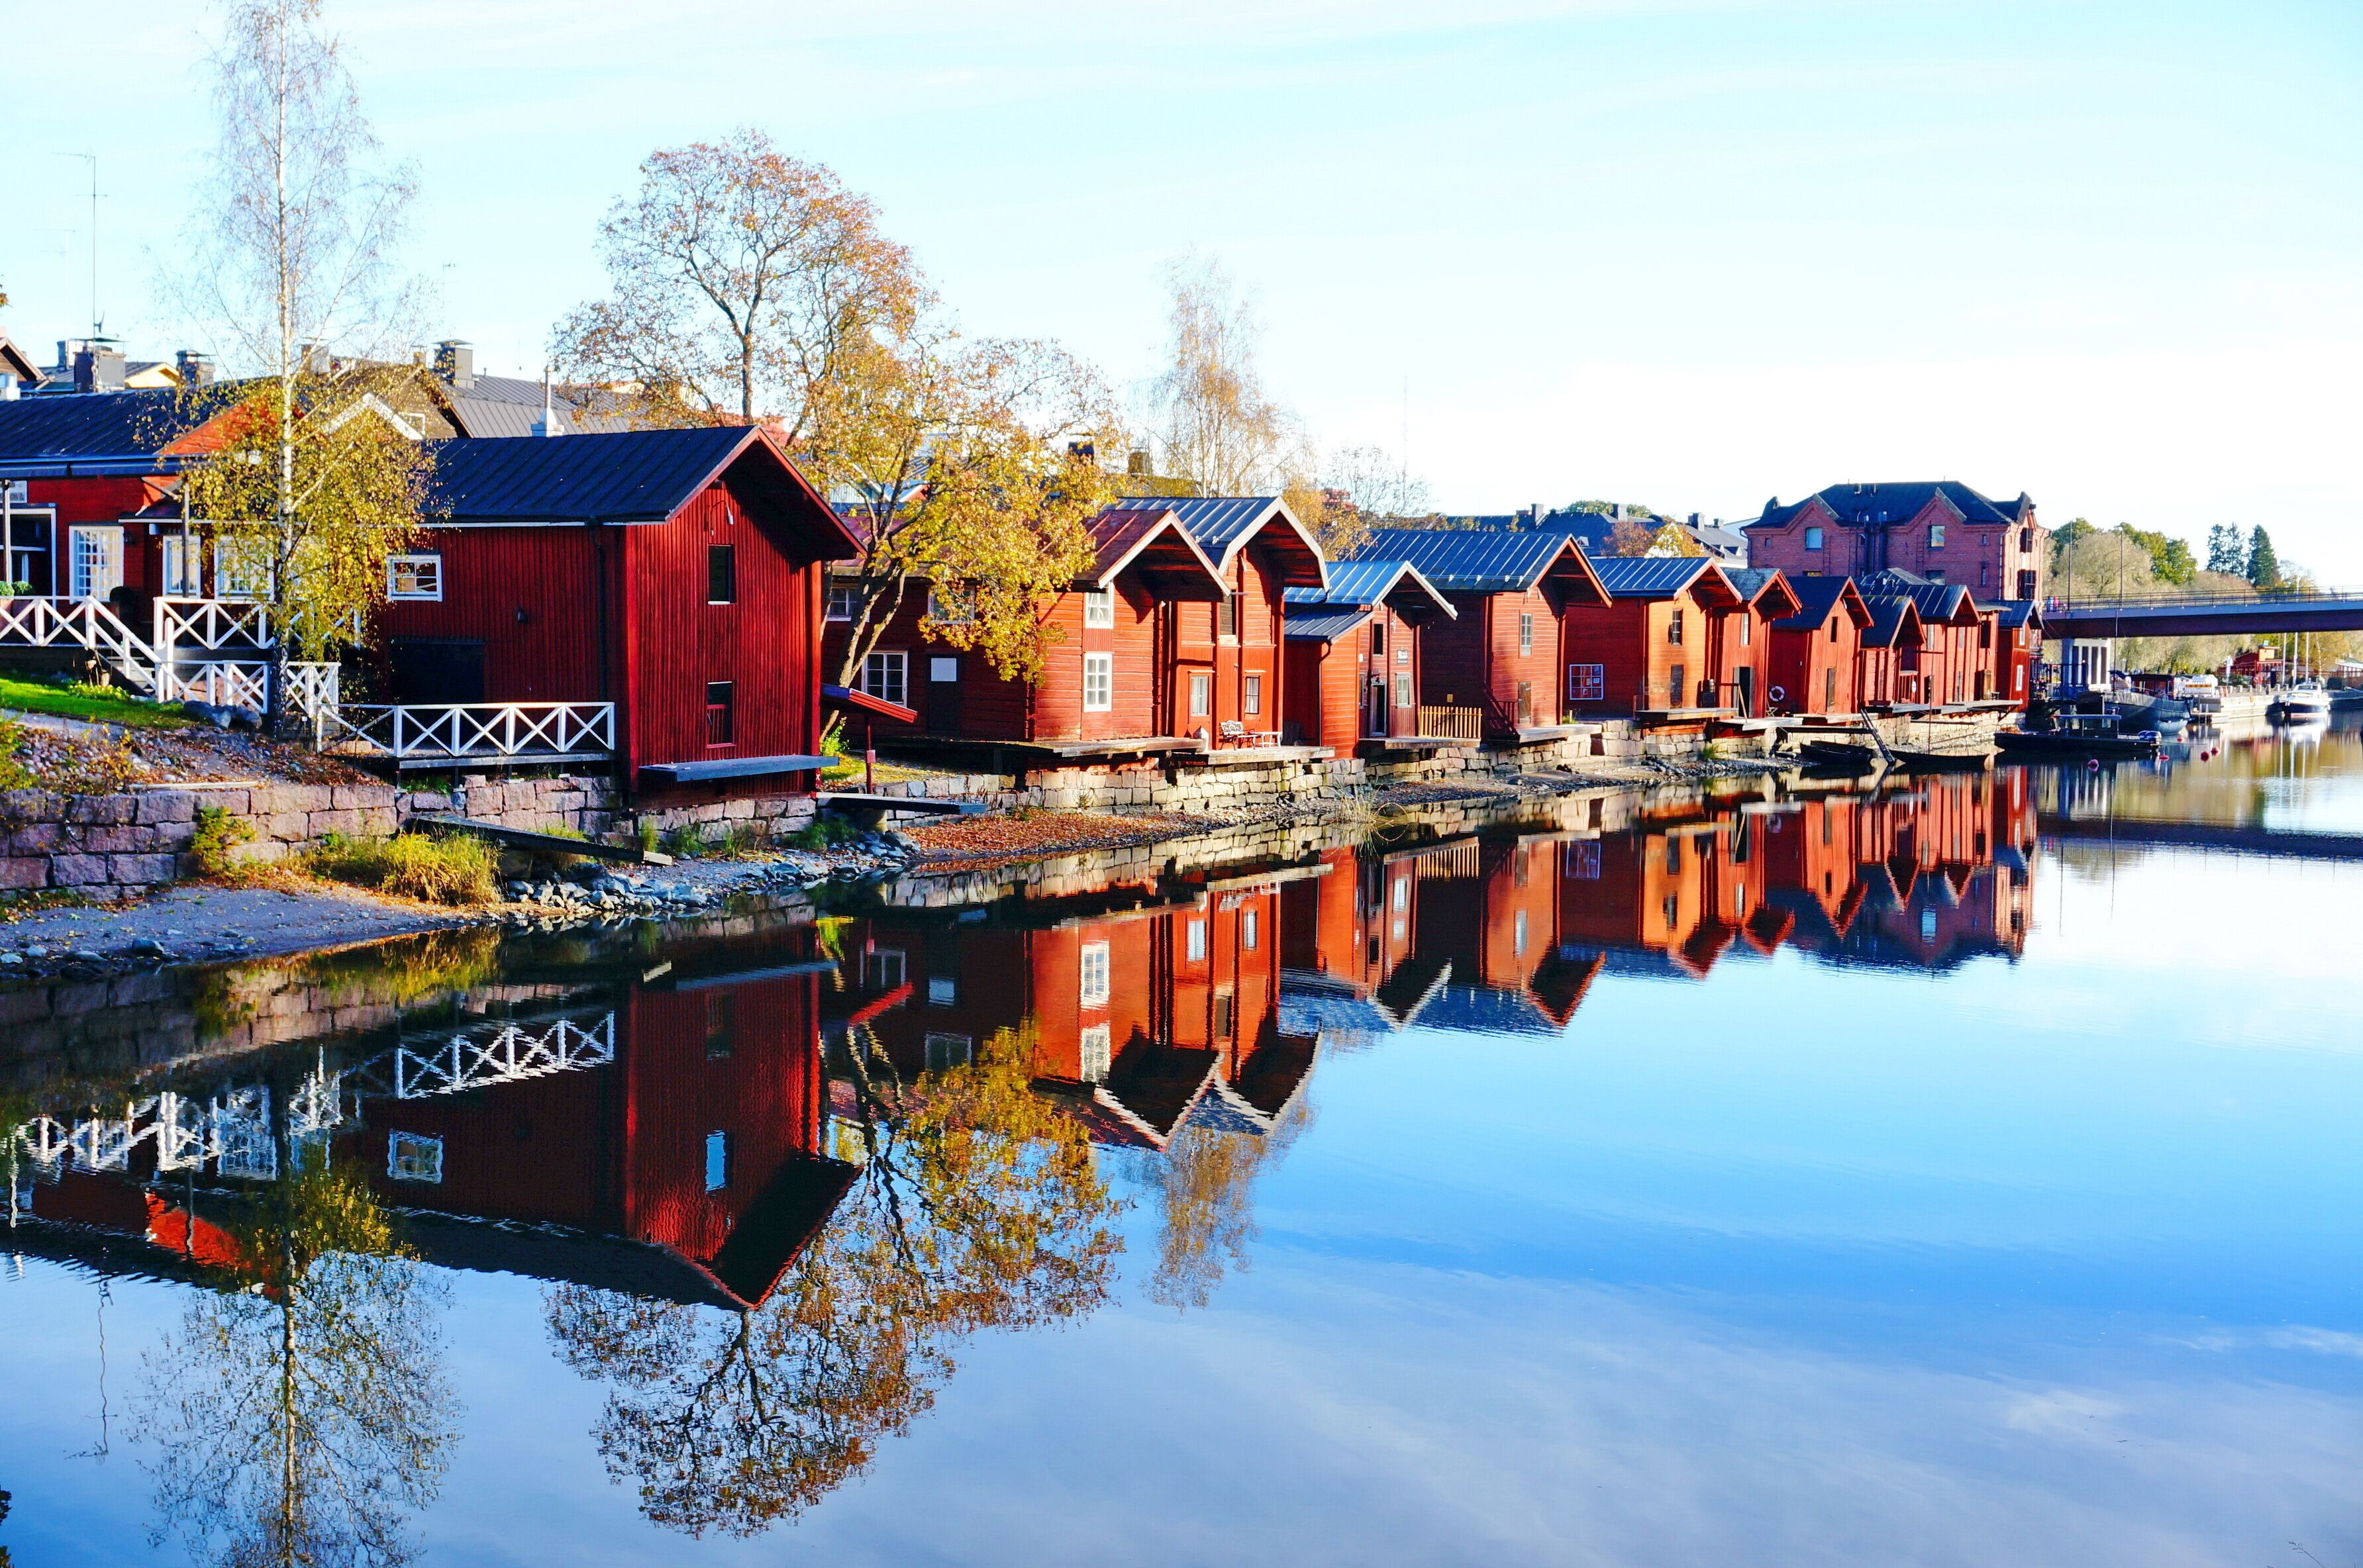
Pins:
<point x="1802" y="660"/>
<point x="532" y="596"/>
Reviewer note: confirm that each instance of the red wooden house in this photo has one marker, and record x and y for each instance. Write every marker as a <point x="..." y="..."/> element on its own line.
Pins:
<point x="1887" y="668"/>
<point x="675" y="574"/>
<point x="1656" y="651"/>
<point x="1816" y="648"/>
<point x="1227" y="671"/>
<point x="2016" y="634"/>
<point x="1499" y="656"/>
<point x="1109" y="682"/>
<point x="1353" y="656"/>
<point x="1954" y="662"/>
<point x="1741" y="638"/>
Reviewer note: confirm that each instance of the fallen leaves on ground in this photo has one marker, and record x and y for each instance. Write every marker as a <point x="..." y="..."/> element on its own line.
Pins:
<point x="1043" y="833"/>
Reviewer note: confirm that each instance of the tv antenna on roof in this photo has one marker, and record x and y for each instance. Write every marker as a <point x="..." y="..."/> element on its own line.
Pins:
<point x="97" y="328"/>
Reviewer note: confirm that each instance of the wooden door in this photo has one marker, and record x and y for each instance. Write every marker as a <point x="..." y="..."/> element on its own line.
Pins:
<point x="943" y="694"/>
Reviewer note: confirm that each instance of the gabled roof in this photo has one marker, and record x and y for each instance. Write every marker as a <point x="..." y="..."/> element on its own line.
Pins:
<point x="1465" y="560"/>
<point x="15" y="361"/>
<point x="509" y="405"/>
<point x="1867" y="505"/>
<point x="1366" y="584"/>
<point x="2015" y="613"/>
<point x="1151" y="540"/>
<point x="1662" y="577"/>
<point x="1223" y="524"/>
<point x="1815" y="597"/>
<point x="1940" y="603"/>
<point x="1894" y="621"/>
<point x="641" y="476"/>
<point x="1324" y="623"/>
<point x="1753" y="583"/>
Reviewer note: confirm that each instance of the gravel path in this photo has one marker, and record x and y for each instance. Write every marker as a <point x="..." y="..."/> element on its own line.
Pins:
<point x="199" y="923"/>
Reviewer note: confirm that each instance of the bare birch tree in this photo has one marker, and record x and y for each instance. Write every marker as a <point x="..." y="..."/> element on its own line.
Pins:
<point x="740" y="280"/>
<point x="291" y="258"/>
<point x="1222" y="431"/>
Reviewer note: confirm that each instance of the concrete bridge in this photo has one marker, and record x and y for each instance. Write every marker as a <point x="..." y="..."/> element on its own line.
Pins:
<point x="2222" y="615"/>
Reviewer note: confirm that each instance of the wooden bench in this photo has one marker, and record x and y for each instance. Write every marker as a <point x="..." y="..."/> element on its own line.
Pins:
<point x="1230" y="731"/>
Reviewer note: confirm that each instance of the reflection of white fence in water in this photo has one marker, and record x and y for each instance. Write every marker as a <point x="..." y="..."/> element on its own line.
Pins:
<point x="232" y="1131"/>
<point x="501" y="1054"/>
<point x="482" y="730"/>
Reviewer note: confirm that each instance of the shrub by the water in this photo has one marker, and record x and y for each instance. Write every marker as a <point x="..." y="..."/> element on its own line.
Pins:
<point x="453" y="870"/>
<point x="218" y="833"/>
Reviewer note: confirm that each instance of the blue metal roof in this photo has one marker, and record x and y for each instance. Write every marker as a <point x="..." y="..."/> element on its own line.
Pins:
<point x="1649" y="577"/>
<point x="1861" y="505"/>
<point x="1220" y="523"/>
<point x="57" y="434"/>
<point x="1936" y="601"/>
<point x="1815" y="597"/>
<point x="1749" y="580"/>
<point x="1468" y="560"/>
<point x="1324" y="623"/>
<point x="639" y="476"/>
<point x="1366" y="583"/>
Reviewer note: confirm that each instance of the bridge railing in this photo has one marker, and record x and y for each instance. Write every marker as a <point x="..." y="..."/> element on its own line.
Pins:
<point x="2068" y="604"/>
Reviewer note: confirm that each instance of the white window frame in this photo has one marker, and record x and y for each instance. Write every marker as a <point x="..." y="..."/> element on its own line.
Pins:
<point x="1813" y="537"/>
<point x="412" y="1156"/>
<point x="1202" y="694"/>
<point x="952" y="613"/>
<point x="1195" y="940"/>
<point x="1092" y="1054"/>
<point x="1935" y="536"/>
<point x="1251" y="698"/>
<point x="1404" y="696"/>
<point x="230" y="581"/>
<point x="946" y="1052"/>
<point x="1248" y="931"/>
<point x="837" y="604"/>
<point x="426" y="565"/>
<point x="874" y="673"/>
<point x="1099" y="683"/>
<point x="1093" y="986"/>
<point x="1099" y="608"/>
<point x="94" y="560"/>
<point x="890" y="965"/>
<point x="1526" y="631"/>
<point x="1587" y="682"/>
<point x="943" y="991"/>
<point x="181" y="566"/>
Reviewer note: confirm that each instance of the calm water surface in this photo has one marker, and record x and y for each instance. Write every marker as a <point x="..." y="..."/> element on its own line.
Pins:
<point x="1965" y="1172"/>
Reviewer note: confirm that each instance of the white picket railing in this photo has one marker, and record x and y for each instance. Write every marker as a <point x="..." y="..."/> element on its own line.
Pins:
<point x="312" y="688"/>
<point x="463" y="731"/>
<point x="28" y="620"/>
<point x="211" y="623"/>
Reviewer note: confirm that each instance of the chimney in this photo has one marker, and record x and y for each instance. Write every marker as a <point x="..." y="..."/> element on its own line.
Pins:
<point x="1694" y="518"/>
<point x="455" y="361"/>
<point x="549" y="424"/>
<point x="97" y="369"/>
<point x="1616" y="512"/>
<point x="315" y="359"/>
<point x="196" y="370"/>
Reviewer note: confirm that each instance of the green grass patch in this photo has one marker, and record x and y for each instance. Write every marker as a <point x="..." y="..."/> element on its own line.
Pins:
<point x="435" y="870"/>
<point x="100" y="704"/>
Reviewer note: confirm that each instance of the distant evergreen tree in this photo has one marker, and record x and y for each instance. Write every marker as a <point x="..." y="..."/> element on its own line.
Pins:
<point x="2264" y="567"/>
<point x="2225" y="552"/>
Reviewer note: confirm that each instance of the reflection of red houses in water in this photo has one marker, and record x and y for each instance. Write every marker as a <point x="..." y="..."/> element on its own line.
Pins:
<point x="676" y="1154"/>
<point x="1154" y="1017"/>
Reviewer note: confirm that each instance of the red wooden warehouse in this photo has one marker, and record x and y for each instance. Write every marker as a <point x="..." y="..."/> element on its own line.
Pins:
<point x="1815" y="649"/>
<point x="1353" y="663"/>
<point x="1657" y="650"/>
<point x="1499" y="656"/>
<point x="675" y="574"/>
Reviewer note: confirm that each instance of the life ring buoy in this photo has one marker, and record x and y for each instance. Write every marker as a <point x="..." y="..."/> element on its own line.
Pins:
<point x="1777" y="695"/>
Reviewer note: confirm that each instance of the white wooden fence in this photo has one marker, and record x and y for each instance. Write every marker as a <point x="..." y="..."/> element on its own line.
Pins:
<point x="429" y="732"/>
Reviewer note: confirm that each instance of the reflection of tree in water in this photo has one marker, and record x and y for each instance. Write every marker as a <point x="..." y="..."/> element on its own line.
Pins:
<point x="301" y="1414"/>
<point x="978" y="1206"/>
<point x="1205" y="1185"/>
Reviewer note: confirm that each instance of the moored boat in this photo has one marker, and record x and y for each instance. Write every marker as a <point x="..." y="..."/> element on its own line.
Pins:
<point x="2302" y="703"/>
<point x="2073" y="742"/>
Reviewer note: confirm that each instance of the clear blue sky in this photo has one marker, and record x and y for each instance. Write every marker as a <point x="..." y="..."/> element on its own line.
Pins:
<point x="1688" y="254"/>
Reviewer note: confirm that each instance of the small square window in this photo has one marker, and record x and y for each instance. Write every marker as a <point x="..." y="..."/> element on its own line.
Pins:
<point x="949" y="608"/>
<point x="885" y="676"/>
<point x="884" y="969"/>
<point x="1099" y="683"/>
<point x="841" y="602"/>
<point x="1094" y="987"/>
<point x="409" y="1157"/>
<point x="942" y="667"/>
<point x="1099" y="607"/>
<point x="721" y="714"/>
<point x="1813" y="538"/>
<point x="1091" y="1053"/>
<point x="1935" y="536"/>
<point x="943" y="991"/>
<point x="1253" y="703"/>
<point x="721" y="574"/>
<point x="946" y="1052"/>
<point x="406" y="576"/>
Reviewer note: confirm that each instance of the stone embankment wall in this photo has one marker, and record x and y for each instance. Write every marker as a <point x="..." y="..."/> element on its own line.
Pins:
<point x="107" y="847"/>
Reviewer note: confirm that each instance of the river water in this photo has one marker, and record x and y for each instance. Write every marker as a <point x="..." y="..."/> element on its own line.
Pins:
<point x="1961" y="1171"/>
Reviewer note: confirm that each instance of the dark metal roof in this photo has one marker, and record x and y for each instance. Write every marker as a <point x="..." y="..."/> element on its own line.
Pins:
<point x="1890" y="614"/>
<point x="2014" y="612"/>
<point x="1366" y="583"/>
<point x="507" y="406"/>
<point x="58" y="435"/>
<point x="644" y="476"/>
<point x="1222" y="523"/>
<point x="1937" y="600"/>
<point x="1869" y="505"/>
<point x="1469" y="560"/>
<point x="1815" y="596"/>
<point x="1323" y="623"/>
<point x="1649" y="577"/>
<point x="1750" y="581"/>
